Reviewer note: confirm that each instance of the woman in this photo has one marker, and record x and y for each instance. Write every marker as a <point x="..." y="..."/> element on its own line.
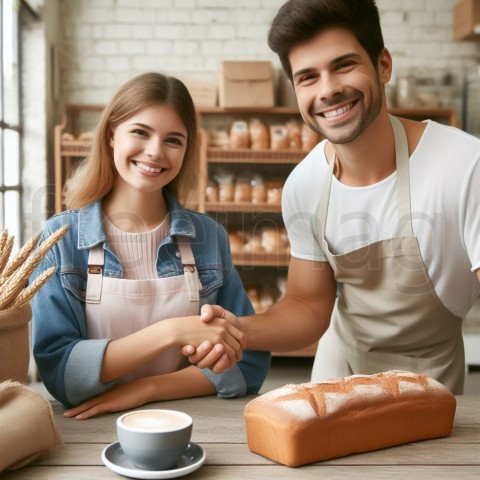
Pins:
<point x="135" y="267"/>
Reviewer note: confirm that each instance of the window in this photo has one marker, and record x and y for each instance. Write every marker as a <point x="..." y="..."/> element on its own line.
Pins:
<point x="10" y="122"/>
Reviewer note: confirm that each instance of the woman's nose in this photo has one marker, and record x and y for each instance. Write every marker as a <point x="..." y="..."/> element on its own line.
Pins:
<point x="154" y="148"/>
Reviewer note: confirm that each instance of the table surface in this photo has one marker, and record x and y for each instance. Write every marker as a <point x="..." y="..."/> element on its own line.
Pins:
<point x="220" y="429"/>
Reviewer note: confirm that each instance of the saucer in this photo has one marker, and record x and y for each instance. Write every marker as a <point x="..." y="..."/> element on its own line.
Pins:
<point x="114" y="458"/>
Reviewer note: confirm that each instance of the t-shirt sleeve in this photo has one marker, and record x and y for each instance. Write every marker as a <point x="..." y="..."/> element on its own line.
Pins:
<point x="471" y="214"/>
<point x="300" y="217"/>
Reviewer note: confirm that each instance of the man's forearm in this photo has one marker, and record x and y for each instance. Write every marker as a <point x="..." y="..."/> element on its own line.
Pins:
<point x="288" y="325"/>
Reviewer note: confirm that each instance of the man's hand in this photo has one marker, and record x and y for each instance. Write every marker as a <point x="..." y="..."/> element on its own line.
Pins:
<point x="214" y="356"/>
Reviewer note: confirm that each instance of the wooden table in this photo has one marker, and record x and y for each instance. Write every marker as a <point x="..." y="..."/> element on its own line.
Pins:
<point x="219" y="428"/>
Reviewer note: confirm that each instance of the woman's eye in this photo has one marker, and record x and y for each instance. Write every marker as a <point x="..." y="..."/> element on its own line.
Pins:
<point x="175" y="141"/>
<point x="139" y="131"/>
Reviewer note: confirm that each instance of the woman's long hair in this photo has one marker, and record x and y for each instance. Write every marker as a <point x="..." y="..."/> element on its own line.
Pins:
<point x="96" y="175"/>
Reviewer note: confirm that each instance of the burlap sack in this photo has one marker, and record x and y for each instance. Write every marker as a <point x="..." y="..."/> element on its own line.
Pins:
<point x="14" y="343"/>
<point x="27" y="428"/>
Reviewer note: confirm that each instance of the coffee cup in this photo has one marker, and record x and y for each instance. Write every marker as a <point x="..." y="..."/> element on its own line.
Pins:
<point x="154" y="439"/>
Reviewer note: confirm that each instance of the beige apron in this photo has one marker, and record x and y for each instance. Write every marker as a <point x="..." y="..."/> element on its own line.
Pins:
<point x="387" y="314"/>
<point x="117" y="307"/>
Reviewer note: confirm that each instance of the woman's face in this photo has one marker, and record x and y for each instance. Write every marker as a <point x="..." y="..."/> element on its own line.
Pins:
<point x="148" y="149"/>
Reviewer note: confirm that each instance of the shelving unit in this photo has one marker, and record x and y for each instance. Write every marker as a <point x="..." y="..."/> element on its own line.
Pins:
<point x="266" y="265"/>
<point x="257" y="265"/>
<point x="67" y="152"/>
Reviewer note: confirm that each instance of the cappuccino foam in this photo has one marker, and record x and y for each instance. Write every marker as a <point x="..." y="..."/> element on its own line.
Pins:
<point x="156" y="421"/>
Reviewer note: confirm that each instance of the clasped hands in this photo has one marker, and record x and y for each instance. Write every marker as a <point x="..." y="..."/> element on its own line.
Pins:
<point x="216" y="357"/>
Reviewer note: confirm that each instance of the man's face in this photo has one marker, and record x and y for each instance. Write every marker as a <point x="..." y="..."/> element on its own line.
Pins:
<point x="339" y="91"/>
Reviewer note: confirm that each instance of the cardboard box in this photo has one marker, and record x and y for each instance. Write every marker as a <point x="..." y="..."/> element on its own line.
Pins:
<point x="466" y="20"/>
<point x="246" y="84"/>
<point x="203" y="94"/>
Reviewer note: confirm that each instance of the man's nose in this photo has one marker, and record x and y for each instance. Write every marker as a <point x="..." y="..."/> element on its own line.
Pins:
<point x="328" y="86"/>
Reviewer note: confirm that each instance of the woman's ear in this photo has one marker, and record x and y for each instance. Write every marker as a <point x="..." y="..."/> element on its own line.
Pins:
<point x="111" y="135"/>
<point x="385" y="64"/>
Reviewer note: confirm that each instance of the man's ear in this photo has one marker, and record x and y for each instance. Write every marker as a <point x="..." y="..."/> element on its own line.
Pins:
<point x="384" y="65"/>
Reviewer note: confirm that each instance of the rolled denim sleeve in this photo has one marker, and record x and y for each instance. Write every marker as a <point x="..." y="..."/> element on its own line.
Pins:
<point x="246" y="377"/>
<point x="82" y="372"/>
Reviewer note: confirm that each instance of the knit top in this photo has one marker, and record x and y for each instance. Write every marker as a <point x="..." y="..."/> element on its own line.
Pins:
<point x="137" y="252"/>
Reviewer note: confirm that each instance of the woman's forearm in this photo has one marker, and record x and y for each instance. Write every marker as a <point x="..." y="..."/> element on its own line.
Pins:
<point x="189" y="382"/>
<point x="128" y="353"/>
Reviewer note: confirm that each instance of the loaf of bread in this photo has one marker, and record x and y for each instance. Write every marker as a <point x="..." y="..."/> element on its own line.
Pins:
<point x="311" y="422"/>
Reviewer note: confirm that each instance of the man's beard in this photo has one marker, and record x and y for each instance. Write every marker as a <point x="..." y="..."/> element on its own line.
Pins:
<point x="348" y="134"/>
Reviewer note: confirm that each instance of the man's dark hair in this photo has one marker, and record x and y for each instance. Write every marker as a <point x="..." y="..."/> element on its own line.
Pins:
<point x="300" y="20"/>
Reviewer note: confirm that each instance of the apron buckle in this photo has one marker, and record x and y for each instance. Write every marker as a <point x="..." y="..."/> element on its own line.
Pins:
<point x="95" y="269"/>
<point x="189" y="267"/>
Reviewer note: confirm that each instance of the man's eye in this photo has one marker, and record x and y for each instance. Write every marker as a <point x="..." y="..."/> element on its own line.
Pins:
<point x="343" y="65"/>
<point x="306" y="78"/>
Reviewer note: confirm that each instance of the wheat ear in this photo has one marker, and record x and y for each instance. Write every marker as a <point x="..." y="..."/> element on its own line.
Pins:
<point x="16" y="282"/>
<point x="5" y="252"/>
<point x="21" y="256"/>
<point x="27" y="294"/>
<point x="3" y="239"/>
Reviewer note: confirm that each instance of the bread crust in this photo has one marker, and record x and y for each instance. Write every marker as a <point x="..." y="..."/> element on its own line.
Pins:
<point x="299" y="424"/>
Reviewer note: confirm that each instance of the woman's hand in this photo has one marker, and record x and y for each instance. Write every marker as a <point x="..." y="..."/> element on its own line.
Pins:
<point x="120" y="397"/>
<point x="186" y="383"/>
<point x="207" y="354"/>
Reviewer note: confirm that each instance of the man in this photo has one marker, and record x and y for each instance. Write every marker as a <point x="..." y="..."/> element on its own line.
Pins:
<point x="383" y="216"/>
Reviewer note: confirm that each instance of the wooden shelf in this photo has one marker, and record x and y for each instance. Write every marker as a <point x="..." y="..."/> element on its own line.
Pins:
<point x="249" y="110"/>
<point x="261" y="259"/>
<point x="247" y="155"/>
<point x="242" y="207"/>
<point x="441" y="115"/>
<point x="75" y="148"/>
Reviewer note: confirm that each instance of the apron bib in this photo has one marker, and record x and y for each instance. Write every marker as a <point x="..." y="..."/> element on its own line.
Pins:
<point x="117" y="307"/>
<point x="387" y="314"/>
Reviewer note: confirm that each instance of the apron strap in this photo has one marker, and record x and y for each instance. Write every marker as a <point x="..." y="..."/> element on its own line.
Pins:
<point x="95" y="274"/>
<point x="189" y="268"/>
<point x="403" y="179"/>
<point x="323" y="207"/>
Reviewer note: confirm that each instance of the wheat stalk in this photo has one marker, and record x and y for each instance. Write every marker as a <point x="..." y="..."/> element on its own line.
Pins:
<point x="21" y="256"/>
<point x="16" y="282"/>
<point x="27" y="294"/>
<point x="6" y="251"/>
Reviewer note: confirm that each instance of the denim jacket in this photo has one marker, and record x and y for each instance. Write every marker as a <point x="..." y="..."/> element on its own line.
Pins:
<point x="68" y="362"/>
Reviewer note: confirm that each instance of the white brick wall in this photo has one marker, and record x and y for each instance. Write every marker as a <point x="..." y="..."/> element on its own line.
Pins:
<point x="102" y="43"/>
<point x="189" y="38"/>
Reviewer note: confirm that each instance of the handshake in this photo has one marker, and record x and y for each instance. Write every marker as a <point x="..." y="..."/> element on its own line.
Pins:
<point x="219" y="356"/>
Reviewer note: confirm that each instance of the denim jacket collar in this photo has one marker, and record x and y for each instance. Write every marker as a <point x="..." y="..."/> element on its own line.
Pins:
<point x="91" y="231"/>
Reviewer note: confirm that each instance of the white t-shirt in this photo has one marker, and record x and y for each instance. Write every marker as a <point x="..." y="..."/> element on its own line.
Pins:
<point x="445" y="206"/>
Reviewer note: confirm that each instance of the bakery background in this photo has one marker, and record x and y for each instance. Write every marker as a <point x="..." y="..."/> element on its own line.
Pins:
<point x="75" y="53"/>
